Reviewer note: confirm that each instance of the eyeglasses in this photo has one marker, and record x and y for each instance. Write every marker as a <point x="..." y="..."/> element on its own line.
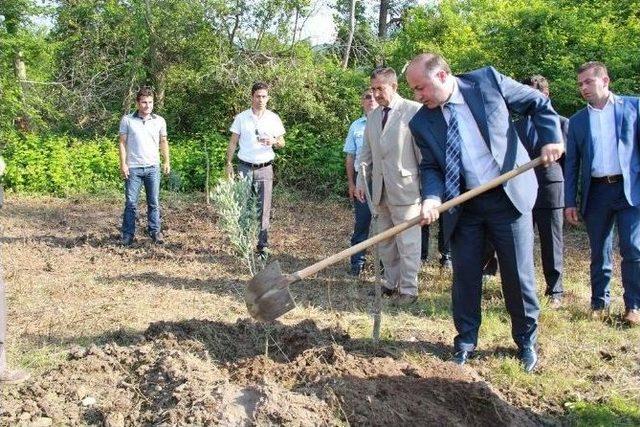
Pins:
<point x="367" y="97"/>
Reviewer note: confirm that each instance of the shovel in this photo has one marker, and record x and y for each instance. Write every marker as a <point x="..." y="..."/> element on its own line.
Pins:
<point x="267" y="295"/>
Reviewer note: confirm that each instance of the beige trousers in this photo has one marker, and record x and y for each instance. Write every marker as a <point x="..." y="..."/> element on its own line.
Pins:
<point x="400" y="255"/>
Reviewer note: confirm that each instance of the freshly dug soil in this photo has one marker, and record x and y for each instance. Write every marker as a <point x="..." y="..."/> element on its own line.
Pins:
<point x="199" y="372"/>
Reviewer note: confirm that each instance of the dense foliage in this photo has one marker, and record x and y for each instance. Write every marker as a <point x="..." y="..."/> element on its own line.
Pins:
<point x="65" y="85"/>
<point x="63" y="164"/>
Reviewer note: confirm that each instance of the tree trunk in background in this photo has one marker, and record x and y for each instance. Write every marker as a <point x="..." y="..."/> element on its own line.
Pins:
<point x="352" y="29"/>
<point x="22" y="121"/>
<point x="156" y="66"/>
<point x="295" y="28"/>
<point x="382" y="18"/>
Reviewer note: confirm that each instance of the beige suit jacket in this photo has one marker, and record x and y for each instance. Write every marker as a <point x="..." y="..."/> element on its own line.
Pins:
<point x="390" y="156"/>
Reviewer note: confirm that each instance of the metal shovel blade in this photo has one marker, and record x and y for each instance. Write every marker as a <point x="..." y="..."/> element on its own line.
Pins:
<point x="267" y="295"/>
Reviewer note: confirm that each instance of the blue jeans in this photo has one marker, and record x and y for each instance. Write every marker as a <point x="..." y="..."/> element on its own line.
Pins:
<point x="607" y="204"/>
<point x="150" y="177"/>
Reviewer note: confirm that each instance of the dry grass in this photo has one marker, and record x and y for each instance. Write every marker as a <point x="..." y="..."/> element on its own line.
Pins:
<point x="69" y="282"/>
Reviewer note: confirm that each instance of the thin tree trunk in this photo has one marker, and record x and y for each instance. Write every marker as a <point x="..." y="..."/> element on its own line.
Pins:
<point x="352" y="29"/>
<point x="128" y="97"/>
<point x="207" y="173"/>
<point x="236" y="24"/>
<point x="156" y="67"/>
<point x="382" y="18"/>
<point x="295" y="28"/>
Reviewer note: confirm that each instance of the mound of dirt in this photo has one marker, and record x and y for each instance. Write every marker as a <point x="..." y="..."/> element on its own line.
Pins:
<point x="205" y="373"/>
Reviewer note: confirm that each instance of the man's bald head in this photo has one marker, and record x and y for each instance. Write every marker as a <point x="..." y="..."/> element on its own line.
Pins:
<point x="429" y="76"/>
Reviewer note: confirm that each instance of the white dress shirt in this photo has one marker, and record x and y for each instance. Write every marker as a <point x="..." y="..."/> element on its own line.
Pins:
<point x="249" y="127"/>
<point x="605" y="142"/>
<point x="478" y="163"/>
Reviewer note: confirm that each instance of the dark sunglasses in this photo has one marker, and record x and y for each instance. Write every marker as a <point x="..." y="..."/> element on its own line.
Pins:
<point x="367" y="97"/>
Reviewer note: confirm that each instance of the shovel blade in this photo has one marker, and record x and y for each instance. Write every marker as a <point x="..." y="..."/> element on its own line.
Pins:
<point x="267" y="295"/>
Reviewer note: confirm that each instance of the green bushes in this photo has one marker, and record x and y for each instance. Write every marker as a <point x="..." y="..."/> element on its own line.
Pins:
<point x="58" y="164"/>
<point x="61" y="164"/>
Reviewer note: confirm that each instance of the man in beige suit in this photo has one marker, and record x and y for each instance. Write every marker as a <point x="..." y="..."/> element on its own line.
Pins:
<point x="391" y="159"/>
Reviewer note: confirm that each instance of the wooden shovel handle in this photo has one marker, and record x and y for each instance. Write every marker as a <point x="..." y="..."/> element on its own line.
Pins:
<point x="320" y="265"/>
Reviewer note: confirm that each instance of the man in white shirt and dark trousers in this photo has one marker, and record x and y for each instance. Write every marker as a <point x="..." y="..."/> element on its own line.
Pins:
<point x="603" y="158"/>
<point x="142" y="134"/>
<point x="258" y="131"/>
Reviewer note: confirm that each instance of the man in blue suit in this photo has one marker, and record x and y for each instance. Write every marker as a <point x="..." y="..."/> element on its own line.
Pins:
<point x="603" y="156"/>
<point x="466" y="137"/>
<point x="547" y="212"/>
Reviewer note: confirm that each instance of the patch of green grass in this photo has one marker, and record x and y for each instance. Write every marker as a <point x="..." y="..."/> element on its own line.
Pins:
<point x="38" y="360"/>
<point x="614" y="411"/>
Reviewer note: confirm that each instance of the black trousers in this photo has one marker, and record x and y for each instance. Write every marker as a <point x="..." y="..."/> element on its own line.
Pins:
<point x="549" y="224"/>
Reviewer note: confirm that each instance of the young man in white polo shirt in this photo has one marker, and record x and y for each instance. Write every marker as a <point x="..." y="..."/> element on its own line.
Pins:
<point x="258" y="131"/>
<point x="142" y="134"/>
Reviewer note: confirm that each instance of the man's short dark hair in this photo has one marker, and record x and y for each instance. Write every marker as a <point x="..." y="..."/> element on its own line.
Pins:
<point x="537" y="81"/>
<point x="600" y="70"/>
<point x="259" y="86"/>
<point x="387" y="73"/>
<point x="144" y="92"/>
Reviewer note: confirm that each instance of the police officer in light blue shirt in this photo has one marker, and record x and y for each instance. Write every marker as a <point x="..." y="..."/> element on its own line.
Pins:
<point x="352" y="147"/>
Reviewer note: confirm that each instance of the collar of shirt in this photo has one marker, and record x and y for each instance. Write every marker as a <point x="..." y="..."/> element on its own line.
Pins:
<point x="138" y="116"/>
<point x="610" y="101"/>
<point x="456" y="96"/>
<point x="257" y="117"/>
<point x="394" y="101"/>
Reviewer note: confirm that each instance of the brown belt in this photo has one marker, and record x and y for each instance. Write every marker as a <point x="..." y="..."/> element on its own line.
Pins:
<point x="611" y="179"/>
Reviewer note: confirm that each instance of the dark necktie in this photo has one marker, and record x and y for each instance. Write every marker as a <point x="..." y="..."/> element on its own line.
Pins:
<point x="453" y="161"/>
<point x="385" y="115"/>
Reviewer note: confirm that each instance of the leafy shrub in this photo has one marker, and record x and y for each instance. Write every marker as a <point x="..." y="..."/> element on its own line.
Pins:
<point x="62" y="164"/>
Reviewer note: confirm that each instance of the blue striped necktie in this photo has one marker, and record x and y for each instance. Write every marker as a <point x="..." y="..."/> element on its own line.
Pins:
<point x="453" y="162"/>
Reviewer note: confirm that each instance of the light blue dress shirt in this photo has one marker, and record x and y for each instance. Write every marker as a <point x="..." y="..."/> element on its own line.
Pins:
<point x="355" y="139"/>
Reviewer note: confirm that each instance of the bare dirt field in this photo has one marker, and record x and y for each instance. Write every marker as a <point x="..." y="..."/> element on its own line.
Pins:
<point x="159" y="335"/>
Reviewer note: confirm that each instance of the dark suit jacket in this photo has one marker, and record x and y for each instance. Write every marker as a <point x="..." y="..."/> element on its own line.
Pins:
<point x="579" y="156"/>
<point x="492" y="98"/>
<point x="550" y="179"/>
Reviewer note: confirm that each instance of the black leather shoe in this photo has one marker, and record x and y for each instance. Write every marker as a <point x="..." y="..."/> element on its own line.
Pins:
<point x="529" y="359"/>
<point x="356" y="270"/>
<point x="386" y="292"/>
<point x="461" y="357"/>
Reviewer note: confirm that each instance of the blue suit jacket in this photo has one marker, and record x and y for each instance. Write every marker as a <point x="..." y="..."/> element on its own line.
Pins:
<point x="579" y="156"/>
<point x="550" y="179"/>
<point x="491" y="97"/>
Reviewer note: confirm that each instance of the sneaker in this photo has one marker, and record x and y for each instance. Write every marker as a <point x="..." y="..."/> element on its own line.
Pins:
<point x="632" y="316"/>
<point x="13" y="376"/>
<point x="157" y="238"/>
<point x="127" y="239"/>
<point x="263" y="253"/>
